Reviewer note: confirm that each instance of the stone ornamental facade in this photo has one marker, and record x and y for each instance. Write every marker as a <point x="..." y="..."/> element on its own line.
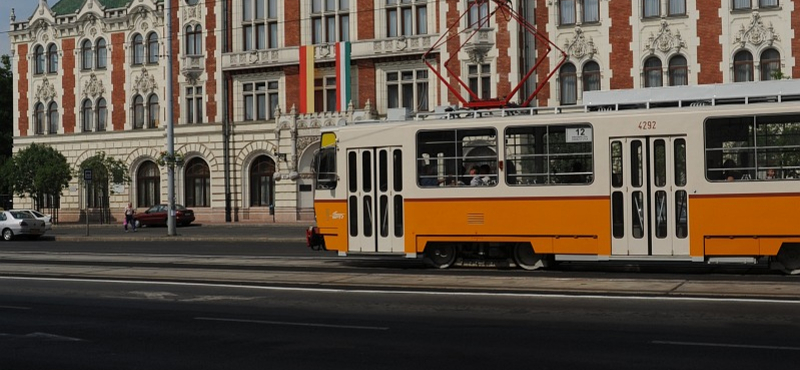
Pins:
<point x="91" y="76"/>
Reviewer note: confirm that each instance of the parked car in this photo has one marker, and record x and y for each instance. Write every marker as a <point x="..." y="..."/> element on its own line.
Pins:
<point x="48" y="219"/>
<point x="16" y="223"/>
<point x="157" y="215"/>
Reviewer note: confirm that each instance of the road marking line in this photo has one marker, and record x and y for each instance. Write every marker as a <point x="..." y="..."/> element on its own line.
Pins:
<point x="14" y="308"/>
<point x="750" y="346"/>
<point x="44" y="336"/>
<point x="358" y="290"/>
<point x="292" y="323"/>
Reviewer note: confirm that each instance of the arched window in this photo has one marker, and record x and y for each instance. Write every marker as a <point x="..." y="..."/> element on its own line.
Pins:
<point x="138" y="49"/>
<point x="86" y="115"/>
<point x="770" y="65"/>
<point x="193" y="40"/>
<point x="198" y="184"/>
<point x="52" y="118"/>
<point x="52" y="59"/>
<point x="262" y="185"/>
<point x="148" y="185"/>
<point x="152" y="48"/>
<point x="591" y="76"/>
<point x="38" y="57"/>
<point x="38" y="118"/>
<point x="102" y="54"/>
<point x="743" y="66"/>
<point x="678" y="71"/>
<point x="152" y="111"/>
<point x="138" y="111"/>
<point x="102" y="111"/>
<point x="86" y="55"/>
<point x="569" y="84"/>
<point x="652" y="72"/>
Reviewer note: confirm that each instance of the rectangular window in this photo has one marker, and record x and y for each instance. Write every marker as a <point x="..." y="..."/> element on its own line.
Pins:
<point x="407" y="89"/>
<point x="566" y="10"/>
<point x="752" y="148"/>
<point x="259" y="24"/>
<point x="194" y="104"/>
<point x="651" y="8"/>
<point x="741" y="4"/>
<point x="550" y="155"/>
<point x="459" y="157"/>
<point x="767" y="3"/>
<point x="480" y="80"/>
<point x="591" y="11"/>
<point x="478" y="16"/>
<point x="331" y="24"/>
<point x="677" y="7"/>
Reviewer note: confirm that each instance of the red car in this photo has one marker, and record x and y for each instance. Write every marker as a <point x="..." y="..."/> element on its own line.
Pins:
<point x="157" y="215"/>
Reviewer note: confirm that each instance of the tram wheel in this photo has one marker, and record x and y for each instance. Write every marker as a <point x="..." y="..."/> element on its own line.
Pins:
<point x="789" y="257"/>
<point x="441" y="255"/>
<point x="526" y="258"/>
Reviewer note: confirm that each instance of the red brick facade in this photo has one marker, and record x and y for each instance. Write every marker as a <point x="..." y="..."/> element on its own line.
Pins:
<point x="22" y="85"/>
<point x="620" y="39"/>
<point x="118" y="115"/>
<point x="709" y="52"/>
<point x="452" y="47"/>
<point x="541" y="73"/>
<point x="211" y="61"/>
<point x="366" y="82"/>
<point x="366" y="21"/>
<point x="503" y="46"/>
<point x="68" y="84"/>
<point x="291" y="14"/>
<point x="176" y="65"/>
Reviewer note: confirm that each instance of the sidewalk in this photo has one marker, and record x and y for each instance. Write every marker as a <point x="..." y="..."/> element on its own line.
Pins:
<point x="232" y="232"/>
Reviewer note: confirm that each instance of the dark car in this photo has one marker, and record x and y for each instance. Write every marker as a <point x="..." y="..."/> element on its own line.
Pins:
<point x="157" y="215"/>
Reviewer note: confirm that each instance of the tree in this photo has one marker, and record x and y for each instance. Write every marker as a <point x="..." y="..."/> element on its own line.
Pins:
<point x="6" y="106"/>
<point x="40" y="172"/>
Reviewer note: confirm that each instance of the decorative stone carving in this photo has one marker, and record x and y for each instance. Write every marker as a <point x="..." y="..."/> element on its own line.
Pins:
<point x="45" y="92"/>
<point x="93" y="87"/>
<point x="756" y="33"/>
<point x="580" y="46"/>
<point x="479" y="46"/>
<point x="304" y="141"/>
<point x="145" y="82"/>
<point x="664" y="41"/>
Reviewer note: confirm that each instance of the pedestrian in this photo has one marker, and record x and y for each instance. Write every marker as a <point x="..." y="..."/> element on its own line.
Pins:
<point x="129" y="212"/>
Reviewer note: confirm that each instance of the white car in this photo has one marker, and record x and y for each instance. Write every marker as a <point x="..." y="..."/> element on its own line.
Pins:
<point x="15" y="223"/>
<point x="48" y="219"/>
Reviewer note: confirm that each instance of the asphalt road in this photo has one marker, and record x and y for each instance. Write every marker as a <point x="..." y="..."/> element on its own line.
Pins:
<point x="46" y="324"/>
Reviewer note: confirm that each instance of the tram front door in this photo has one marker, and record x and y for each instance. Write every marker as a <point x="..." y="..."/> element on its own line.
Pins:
<point x="649" y="211"/>
<point x="375" y="200"/>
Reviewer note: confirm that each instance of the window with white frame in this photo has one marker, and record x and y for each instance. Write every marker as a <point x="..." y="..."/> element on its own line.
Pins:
<point x="52" y="59"/>
<point x="259" y="24"/>
<point x="38" y="118"/>
<point x="193" y="36"/>
<point x="770" y="65"/>
<point x="194" y="104"/>
<point x="101" y="53"/>
<point x="152" y="111"/>
<point x="330" y="21"/>
<point x="138" y="49"/>
<point x="325" y="94"/>
<point x="591" y="76"/>
<point x="86" y="115"/>
<point x="138" y="112"/>
<point x="569" y="84"/>
<point x="260" y="99"/>
<point x="480" y="80"/>
<point x="87" y="55"/>
<point x="651" y="8"/>
<point x="743" y="66"/>
<point x="591" y="11"/>
<point x="408" y="89"/>
<point x="102" y="113"/>
<point x="768" y="3"/>
<point x="152" y="48"/>
<point x="567" y="12"/>
<point x="52" y="118"/>
<point x="678" y="71"/>
<point x="38" y="60"/>
<point x="478" y="16"/>
<point x="406" y="17"/>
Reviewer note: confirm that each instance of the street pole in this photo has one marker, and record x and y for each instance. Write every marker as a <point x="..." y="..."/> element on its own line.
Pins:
<point x="170" y="139"/>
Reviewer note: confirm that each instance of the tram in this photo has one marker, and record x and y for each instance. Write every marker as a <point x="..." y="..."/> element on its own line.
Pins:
<point x="708" y="174"/>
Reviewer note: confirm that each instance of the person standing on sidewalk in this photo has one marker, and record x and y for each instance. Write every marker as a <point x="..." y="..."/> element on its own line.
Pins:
<point x="129" y="212"/>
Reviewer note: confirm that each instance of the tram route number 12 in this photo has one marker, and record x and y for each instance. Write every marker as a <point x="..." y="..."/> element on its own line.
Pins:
<point x="647" y="125"/>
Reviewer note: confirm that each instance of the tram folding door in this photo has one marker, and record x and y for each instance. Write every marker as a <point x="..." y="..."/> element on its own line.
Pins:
<point x="649" y="213"/>
<point x="375" y="200"/>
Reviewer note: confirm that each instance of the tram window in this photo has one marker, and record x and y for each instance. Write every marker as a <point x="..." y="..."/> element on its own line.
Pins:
<point x="366" y="162"/>
<point x="353" y="215"/>
<point x="752" y="147"/>
<point x="550" y="155"/>
<point x="617" y="170"/>
<point x="384" y="213"/>
<point x="398" y="216"/>
<point x="368" y="216"/>
<point x="383" y="163"/>
<point x="326" y="168"/>
<point x="617" y="213"/>
<point x="660" y="162"/>
<point x="452" y="153"/>
<point x="397" y="159"/>
<point x="352" y="171"/>
<point x="661" y="214"/>
<point x="681" y="216"/>
<point x="680" y="162"/>
<point x="637" y="213"/>
<point x="637" y="159"/>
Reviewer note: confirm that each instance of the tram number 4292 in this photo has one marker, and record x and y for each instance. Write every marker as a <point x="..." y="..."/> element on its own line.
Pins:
<point x="647" y="125"/>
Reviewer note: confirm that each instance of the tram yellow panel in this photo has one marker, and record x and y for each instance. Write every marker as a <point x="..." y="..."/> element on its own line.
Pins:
<point x="332" y="222"/>
<point x="754" y="224"/>
<point x="582" y="224"/>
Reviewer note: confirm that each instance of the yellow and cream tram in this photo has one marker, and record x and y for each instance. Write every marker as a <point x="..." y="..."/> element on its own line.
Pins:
<point x="705" y="174"/>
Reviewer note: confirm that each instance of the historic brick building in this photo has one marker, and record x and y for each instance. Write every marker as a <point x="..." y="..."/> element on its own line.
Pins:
<point x="253" y="80"/>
